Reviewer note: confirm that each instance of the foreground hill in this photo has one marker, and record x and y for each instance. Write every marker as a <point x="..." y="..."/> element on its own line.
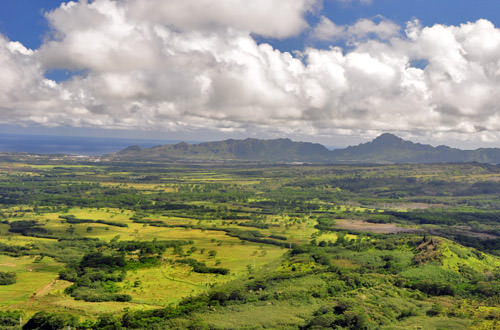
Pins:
<point x="387" y="148"/>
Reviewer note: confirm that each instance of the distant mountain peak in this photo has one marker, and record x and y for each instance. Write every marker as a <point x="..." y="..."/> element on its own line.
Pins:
<point x="131" y="149"/>
<point x="387" y="138"/>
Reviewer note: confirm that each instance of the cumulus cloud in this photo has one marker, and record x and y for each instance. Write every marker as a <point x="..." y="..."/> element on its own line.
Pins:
<point x="25" y="95"/>
<point x="328" y="30"/>
<point x="270" y="18"/>
<point x="153" y="69"/>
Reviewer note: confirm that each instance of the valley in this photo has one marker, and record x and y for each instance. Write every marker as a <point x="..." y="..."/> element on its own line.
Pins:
<point x="152" y="245"/>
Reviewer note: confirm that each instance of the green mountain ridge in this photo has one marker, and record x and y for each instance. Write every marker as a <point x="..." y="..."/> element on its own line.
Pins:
<point x="387" y="148"/>
<point x="278" y="150"/>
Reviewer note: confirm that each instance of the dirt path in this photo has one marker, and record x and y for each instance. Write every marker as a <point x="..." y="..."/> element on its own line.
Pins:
<point x="7" y="265"/>
<point x="43" y="290"/>
<point x="178" y="280"/>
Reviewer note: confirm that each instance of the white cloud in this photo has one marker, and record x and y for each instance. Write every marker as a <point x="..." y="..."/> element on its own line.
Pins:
<point x="329" y="31"/>
<point x="24" y="92"/>
<point x="147" y="70"/>
<point x="270" y="18"/>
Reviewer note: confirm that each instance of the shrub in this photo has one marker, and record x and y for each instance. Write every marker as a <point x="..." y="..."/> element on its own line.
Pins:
<point x="108" y="322"/>
<point x="68" y="274"/>
<point x="51" y="321"/>
<point x="280" y="237"/>
<point x="10" y="318"/>
<point x="345" y="315"/>
<point x="201" y="267"/>
<point x="99" y="260"/>
<point x="488" y="289"/>
<point x="435" y="310"/>
<point x="434" y="289"/>
<point x="7" y="278"/>
<point x="97" y="295"/>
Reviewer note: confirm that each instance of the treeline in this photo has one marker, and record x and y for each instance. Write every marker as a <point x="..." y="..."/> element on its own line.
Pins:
<point x="201" y="267"/>
<point x="487" y="245"/>
<point x="397" y="186"/>
<point x="71" y="219"/>
<point x="29" y="228"/>
<point x="325" y="223"/>
<point x="244" y="235"/>
<point x="147" y="247"/>
<point x="446" y="217"/>
<point x="13" y="250"/>
<point x="49" y="191"/>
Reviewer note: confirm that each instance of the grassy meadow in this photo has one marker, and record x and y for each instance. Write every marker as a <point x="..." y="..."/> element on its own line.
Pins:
<point x="202" y="246"/>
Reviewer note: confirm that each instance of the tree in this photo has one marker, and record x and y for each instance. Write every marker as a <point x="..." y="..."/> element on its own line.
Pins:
<point x="51" y="321"/>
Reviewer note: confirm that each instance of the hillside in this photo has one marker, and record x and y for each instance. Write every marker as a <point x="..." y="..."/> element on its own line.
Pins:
<point x="279" y="150"/>
<point x="387" y="148"/>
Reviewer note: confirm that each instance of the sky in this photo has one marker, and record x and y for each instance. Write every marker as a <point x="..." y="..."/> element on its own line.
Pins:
<point x="338" y="72"/>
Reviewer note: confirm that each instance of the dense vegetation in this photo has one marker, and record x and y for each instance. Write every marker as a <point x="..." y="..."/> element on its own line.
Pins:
<point x="204" y="246"/>
<point x="7" y="278"/>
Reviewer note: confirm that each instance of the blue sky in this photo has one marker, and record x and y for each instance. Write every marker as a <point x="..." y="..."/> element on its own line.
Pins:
<point x="429" y="12"/>
<point x="23" y="20"/>
<point x="76" y="80"/>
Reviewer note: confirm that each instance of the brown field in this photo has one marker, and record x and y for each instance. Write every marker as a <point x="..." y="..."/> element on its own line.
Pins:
<point x="380" y="228"/>
<point x="411" y="206"/>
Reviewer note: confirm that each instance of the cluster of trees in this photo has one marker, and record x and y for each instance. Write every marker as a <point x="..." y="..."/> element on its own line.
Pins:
<point x="244" y="235"/>
<point x="47" y="320"/>
<point x="201" y="267"/>
<point x="325" y="223"/>
<point x="10" y="319"/>
<point x="447" y="217"/>
<point x="96" y="275"/>
<point x="13" y="250"/>
<point x="94" y="278"/>
<point x="487" y="245"/>
<point x="7" y="278"/>
<point x="345" y="314"/>
<point x="432" y="288"/>
<point x="73" y="220"/>
<point x="29" y="228"/>
<point x="154" y="247"/>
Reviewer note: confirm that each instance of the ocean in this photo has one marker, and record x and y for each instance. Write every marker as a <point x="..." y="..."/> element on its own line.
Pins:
<point x="72" y="145"/>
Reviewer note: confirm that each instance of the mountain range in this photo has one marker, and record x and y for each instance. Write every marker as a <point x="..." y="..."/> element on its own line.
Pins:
<point x="387" y="148"/>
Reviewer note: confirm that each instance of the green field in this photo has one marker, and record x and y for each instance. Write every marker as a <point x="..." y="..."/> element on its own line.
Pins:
<point x="201" y="246"/>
